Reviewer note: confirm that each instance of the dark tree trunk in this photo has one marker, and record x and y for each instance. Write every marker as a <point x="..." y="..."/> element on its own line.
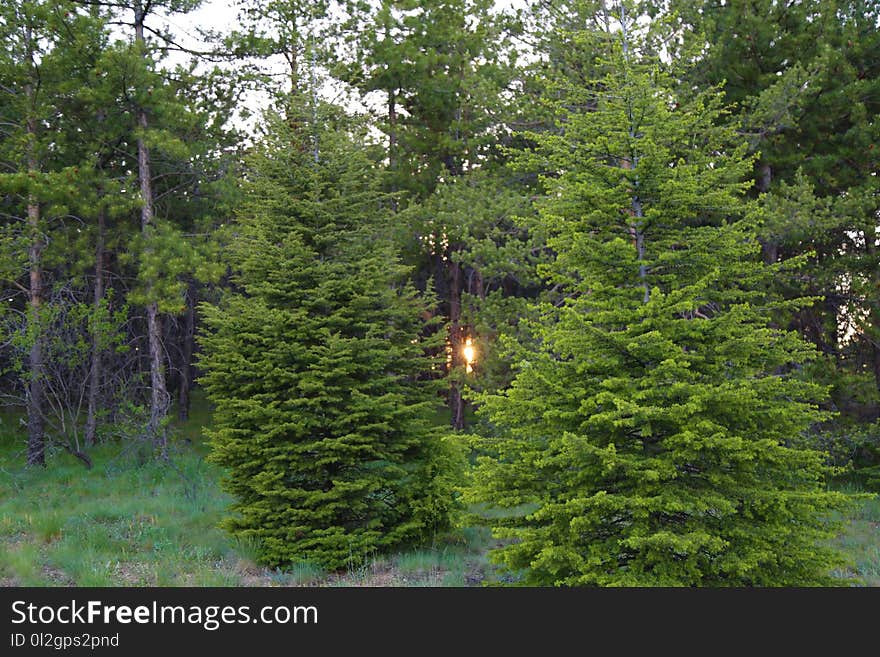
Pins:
<point x="477" y="284"/>
<point x="392" y="144"/>
<point x="636" y="228"/>
<point x="36" y="453"/>
<point x="456" y="342"/>
<point x="769" y="245"/>
<point x="871" y="248"/>
<point x="95" y="374"/>
<point x="189" y="321"/>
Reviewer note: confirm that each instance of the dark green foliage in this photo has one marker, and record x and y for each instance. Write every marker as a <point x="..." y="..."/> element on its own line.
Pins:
<point x="805" y="79"/>
<point x="318" y="368"/>
<point x="443" y="67"/>
<point x="650" y="427"/>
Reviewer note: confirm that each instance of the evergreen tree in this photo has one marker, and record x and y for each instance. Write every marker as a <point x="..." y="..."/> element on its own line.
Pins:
<point x="317" y="365"/>
<point x="441" y="68"/>
<point x="50" y="47"/>
<point x="165" y="142"/>
<point x="804" y="77"/>
<point x="646" y="441"/>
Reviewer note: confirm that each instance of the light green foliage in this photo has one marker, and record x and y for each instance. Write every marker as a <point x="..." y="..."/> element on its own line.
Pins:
<point x="318" y="368"/>
<point x="650" y="426"/>
<point x="165" y="258"/>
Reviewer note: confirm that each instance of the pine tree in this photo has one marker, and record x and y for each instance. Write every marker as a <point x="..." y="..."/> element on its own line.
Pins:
<point x="163" y="111"/>
<point x="646" y="441"/>
<point x="804" y="77"/>
<point x="49" y="50"/>
<point x="317" y="365"/>
<point x="442" y="68"/>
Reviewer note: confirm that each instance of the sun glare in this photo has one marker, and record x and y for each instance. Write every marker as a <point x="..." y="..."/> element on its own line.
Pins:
<point x="470" y="354"/>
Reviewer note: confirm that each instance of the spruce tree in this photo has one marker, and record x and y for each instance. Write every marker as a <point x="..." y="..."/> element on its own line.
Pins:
<point x="646" y="440"/>
<point x="317" y="364"/>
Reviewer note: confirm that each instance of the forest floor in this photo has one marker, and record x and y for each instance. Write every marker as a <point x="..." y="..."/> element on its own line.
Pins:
<point x="130" y="523"/>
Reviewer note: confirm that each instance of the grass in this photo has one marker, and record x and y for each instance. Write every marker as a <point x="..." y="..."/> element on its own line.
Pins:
<point x="861" y="543"/>
<point x="131" y="523"/>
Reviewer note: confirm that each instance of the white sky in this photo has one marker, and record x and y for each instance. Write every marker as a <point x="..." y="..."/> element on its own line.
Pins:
<point x="222" y="16"/>
<point x="218" y="14"/>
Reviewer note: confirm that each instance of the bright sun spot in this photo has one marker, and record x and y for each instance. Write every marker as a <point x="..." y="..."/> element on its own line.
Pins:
<point x="470" y="354"/>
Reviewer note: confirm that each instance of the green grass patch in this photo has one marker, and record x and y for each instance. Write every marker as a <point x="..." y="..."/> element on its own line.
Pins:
<point x="135" y="522"/>
<point x="131" y="522"/>
<point x="860" y="542"/>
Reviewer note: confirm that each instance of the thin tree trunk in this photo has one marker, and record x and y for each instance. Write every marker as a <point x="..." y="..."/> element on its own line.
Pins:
<point x="875" y="353"/>
<point x="97" y="361"/>
<point x="636" y="229"/>
<point x="189" y="320"/>
<point x="159" y="399"/>
<point x="158" y="394"/>
<point x="476" y="284"/>
<point x="392" y="144"/>
<point x="456" y="342"/>
<point x="769" y="245"/>
<point x="36" y="452"/>
<point x="640" y="246"/>
<point x="313" y="82"/>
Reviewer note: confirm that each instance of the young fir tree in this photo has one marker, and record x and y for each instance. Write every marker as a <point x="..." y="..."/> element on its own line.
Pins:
<point x="647" y="436"/>
<point x="317" y="365"/>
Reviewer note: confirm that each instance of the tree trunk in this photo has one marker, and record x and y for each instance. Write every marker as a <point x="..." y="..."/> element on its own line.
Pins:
<point x="769" y="245"/>
<point x="36" y="451"/>
<point x="392" y="144"/>
<point x="456" y="342"/>
<point x="875" y="353"/>
<point x="636" y="228"/>
<point x="183" y="396"/>
<point x="640" y="246"/>
<point x="874" y="336"/>
<point x="95" y="373"/>
<point x="477" y="284"/>
<point x="159" y="399"/>
<point x="630" y="162"/>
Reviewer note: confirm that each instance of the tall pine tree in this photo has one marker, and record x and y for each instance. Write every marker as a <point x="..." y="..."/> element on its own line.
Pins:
<point x="442" y="69"/>
<point x="50" y="47"/>
<point x="804" y="77"/>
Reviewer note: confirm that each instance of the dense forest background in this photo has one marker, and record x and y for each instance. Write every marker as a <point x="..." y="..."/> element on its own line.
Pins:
<point x="602" y="275"/>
